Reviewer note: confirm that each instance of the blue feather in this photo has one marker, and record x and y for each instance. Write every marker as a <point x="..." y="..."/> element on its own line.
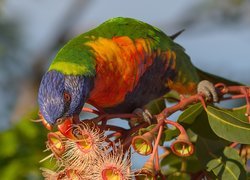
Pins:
<point x="51" y="95"/>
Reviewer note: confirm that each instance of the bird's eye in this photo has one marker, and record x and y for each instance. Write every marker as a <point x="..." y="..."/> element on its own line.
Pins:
<point x="66" y="97"/>
<point x="59" y="121"/>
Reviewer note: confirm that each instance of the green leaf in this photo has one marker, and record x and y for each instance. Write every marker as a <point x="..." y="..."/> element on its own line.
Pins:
<point x="189" y="115"/>
<point x="7" y="171"/>
<point x="22" y="148"/>
<point x="228" y="166"/>
<point x="208" y="149"/>
<point x="172" y="96"/>
<point x="228" y="126"/>
<point x="220" y="159"/>
<point x="9" y="144"/>
<point x="202" y="127"/>
<point x="147" y="129"/>
<point x="170" y="134"/>
<point x="172" y="164"/>
<point x="192" y="136"/>
<point x="179" y="175"/>
<point x="28" y="129"/>
<point x="238" y="113"/>
<point x="156" y="106"/>
<point x="213" y="164"/>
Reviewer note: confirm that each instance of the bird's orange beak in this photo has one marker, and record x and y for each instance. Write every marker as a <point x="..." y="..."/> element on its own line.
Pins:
<point x="66" y="128"/>
<point x="45" y="123"/>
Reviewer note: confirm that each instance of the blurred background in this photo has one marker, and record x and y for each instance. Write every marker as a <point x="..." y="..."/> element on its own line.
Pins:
<point x="217" y="38"/>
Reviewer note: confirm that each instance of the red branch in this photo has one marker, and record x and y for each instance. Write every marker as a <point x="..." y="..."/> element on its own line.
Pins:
<point x="235" y="91"/>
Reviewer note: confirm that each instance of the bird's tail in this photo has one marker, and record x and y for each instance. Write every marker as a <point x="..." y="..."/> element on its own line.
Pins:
<point x="216" y="79"/>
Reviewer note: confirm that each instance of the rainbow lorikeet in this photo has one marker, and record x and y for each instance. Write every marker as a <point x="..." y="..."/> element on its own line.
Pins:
<point x="119" y="66"/>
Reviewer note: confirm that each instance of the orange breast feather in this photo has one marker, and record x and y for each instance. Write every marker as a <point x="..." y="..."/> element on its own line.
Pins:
<point x="120" y="62"/>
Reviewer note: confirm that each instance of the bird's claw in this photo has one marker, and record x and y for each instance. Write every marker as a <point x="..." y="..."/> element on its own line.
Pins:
<point x="144" y="114"/>
<point x="207" y="88"/>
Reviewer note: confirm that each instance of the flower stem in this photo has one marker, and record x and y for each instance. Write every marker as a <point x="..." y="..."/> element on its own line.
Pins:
<point x="183" y="165"/>
<point x="178" y="126"/>
<point x="157" y="160"/>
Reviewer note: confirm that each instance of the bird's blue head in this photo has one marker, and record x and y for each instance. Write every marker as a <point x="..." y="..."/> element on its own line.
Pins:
<point x="61" y="96"/>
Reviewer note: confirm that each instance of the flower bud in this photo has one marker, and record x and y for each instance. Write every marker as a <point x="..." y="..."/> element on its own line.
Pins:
<point x="143" y="144"/>
<point x="56" y="143"/>
<point x="147" y="172"/>
<point x="182" y="146"/>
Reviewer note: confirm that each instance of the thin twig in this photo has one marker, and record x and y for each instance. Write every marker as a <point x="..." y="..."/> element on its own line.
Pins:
<point x="156" y="145"/>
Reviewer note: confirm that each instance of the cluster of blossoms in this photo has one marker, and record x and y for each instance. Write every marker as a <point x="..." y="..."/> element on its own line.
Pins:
<point x="85" y="154"/>
<point x="83" y="151"/>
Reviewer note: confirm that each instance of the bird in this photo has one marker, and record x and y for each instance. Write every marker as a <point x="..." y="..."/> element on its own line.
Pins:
<point x="120" y="65"/>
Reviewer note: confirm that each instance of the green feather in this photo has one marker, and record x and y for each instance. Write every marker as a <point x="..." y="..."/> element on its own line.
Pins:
<point x="134" y="29"/>
<point x="76" y="58"/>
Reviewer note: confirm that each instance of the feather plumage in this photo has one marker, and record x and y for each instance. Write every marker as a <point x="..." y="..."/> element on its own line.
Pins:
<point x="123" y="64"/>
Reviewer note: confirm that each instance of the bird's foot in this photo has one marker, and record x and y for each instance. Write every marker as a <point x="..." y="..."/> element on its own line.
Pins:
<point x="144" y="115"/>
<point x="207" y="88"/>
